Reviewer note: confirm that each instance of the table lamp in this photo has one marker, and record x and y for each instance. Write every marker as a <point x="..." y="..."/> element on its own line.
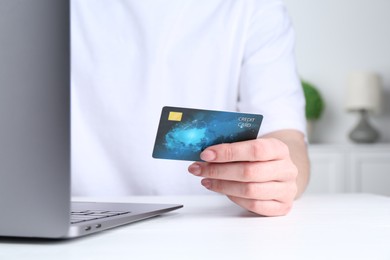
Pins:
<point x="363" y="96"/>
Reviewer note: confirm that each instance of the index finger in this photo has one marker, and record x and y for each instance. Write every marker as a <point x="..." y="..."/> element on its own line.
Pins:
<point x="266" y="149"/>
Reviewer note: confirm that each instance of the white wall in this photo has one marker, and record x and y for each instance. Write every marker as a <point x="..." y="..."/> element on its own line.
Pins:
<point x="335" y="37"/>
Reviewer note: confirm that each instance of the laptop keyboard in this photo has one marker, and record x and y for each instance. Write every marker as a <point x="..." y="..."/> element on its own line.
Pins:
<point x="88" y="215"/>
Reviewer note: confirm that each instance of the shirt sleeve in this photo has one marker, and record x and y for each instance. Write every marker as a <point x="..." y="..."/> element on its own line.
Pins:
<point x="269" y="83"/>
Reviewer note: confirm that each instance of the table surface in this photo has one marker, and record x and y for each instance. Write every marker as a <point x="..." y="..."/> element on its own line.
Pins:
<point x="341" y="226"/>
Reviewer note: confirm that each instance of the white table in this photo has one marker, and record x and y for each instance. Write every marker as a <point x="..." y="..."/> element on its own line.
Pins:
<point x="344" y="226"/>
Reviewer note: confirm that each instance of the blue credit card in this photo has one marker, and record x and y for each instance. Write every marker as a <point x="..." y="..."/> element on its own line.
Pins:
<point x="183" y="133"/>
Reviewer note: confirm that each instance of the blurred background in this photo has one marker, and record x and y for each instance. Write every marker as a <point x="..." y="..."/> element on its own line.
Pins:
<point x="335" y="38"/>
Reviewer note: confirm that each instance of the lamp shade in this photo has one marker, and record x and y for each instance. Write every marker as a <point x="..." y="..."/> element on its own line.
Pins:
<point x="364" y="92"/>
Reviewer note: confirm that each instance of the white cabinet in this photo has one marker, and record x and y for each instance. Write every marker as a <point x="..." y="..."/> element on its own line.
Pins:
<point x="350" y="168"/>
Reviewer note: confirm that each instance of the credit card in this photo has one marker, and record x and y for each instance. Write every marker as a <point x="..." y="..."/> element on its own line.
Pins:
<point x="183" y="133"/>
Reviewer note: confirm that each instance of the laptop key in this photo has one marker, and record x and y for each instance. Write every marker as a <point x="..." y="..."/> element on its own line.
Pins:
<point x="76" y="221"/>
<point x="118" y="212"/>
<point x="84" y="217"/>
<point x="97" y="211"/>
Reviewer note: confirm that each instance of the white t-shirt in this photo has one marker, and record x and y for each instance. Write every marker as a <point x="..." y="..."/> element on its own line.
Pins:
<point x="132" y="57"/>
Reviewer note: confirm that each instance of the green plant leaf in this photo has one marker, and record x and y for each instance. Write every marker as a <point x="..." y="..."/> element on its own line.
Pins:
<point x="314" y="102"/>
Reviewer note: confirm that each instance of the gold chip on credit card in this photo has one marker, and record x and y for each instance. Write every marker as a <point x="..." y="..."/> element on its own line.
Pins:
<point x="175" y="116"/>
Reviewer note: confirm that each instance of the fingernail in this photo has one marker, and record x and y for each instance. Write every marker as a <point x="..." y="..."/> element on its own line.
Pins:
<point x="208" y="155"/>
<point x="195" y="169"/>
<point x="206" y="183"/>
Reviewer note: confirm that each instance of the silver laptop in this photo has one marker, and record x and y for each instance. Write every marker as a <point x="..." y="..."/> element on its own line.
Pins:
<point x="35" y="198"/>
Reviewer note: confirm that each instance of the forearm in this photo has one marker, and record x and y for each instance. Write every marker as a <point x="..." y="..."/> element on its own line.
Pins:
<point x="299" y="155"/>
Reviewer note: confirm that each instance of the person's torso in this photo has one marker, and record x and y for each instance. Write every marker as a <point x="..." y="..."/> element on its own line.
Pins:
<point x="129" y="59"/>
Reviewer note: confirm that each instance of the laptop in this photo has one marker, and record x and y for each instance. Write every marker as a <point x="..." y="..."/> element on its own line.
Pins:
<point x="35" y="192"/>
